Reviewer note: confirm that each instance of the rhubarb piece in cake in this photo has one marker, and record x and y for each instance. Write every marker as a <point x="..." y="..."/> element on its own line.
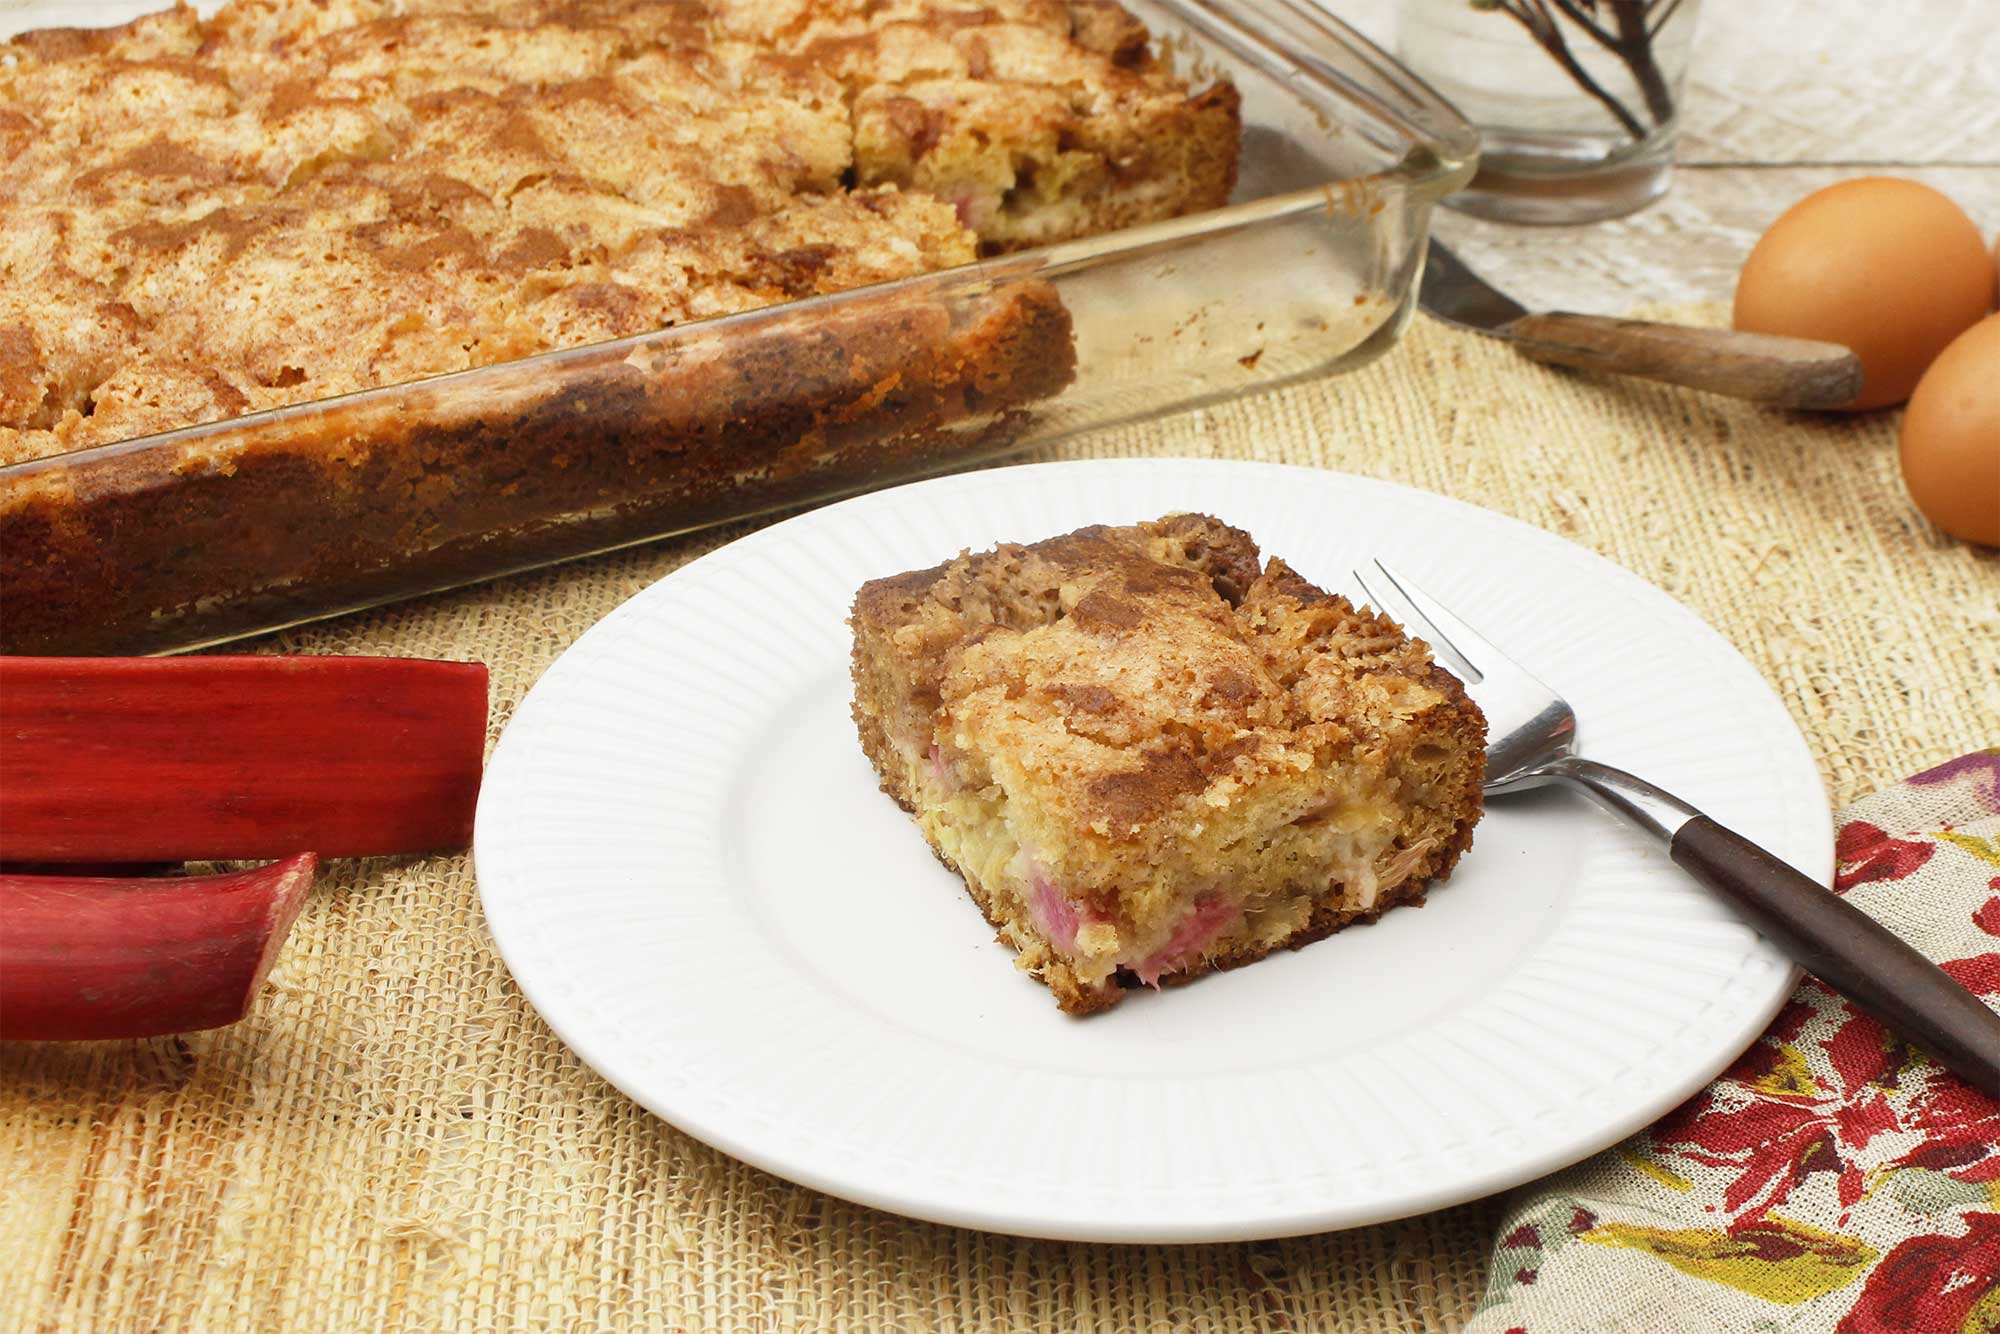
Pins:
<point x="1149" y="758"/>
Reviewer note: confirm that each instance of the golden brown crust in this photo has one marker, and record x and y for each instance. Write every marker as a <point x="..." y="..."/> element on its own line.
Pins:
<point x="1160" y="734"/>
<point x="1253" y="655"/>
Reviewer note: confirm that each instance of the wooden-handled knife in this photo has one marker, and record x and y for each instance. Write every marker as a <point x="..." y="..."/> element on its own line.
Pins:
<point x="1784" y="372"/>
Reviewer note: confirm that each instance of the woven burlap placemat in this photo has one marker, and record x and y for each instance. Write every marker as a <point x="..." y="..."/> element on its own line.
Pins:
<point x="393" y="1139"/>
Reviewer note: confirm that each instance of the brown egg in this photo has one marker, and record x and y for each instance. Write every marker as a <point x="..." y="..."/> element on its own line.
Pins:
<point x="1888" y="267"/>
<point x="1951" y="437"/>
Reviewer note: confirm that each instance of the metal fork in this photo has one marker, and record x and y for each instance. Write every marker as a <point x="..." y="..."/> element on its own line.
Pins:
<point x="1531" y="742"/>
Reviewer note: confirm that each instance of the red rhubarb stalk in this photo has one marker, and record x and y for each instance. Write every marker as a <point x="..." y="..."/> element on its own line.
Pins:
<point x="88" y="957"/>
<point x="236" y="758"/>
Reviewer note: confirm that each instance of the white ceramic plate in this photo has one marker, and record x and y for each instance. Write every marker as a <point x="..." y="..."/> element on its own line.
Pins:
<point x="689" y="869"/>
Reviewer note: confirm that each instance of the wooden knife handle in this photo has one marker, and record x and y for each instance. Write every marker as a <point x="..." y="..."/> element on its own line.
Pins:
<point x="1784" y="372"/>
<point x="1848" y="950"/>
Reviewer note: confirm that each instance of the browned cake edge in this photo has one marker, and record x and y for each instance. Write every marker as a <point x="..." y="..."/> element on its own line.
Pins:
<point x="264" y="522"/>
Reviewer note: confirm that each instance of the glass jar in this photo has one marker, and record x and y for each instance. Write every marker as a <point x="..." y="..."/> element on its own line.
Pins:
<point x="1577" y="101"/>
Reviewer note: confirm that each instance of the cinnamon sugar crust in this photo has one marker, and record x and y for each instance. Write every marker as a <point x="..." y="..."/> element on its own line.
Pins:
<point x="311" y="197"/>
<point x="1150" y="758"/>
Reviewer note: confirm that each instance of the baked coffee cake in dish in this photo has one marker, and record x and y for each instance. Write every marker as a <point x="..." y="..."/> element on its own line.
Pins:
<point x="1150" y="757"/>
<point x="682" y="244"/>
<point x="295" y="199"/>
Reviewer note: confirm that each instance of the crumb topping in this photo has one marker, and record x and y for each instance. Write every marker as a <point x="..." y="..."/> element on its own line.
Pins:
<point x="307" y="197"/>
<point x="1135" y="670"/>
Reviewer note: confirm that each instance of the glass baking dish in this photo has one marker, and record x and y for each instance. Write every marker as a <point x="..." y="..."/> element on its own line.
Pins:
<point x="210" y="533"/>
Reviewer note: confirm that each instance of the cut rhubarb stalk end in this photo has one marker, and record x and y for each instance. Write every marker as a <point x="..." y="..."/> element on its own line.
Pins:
<point x="236" y="758"/>
<point x="85" y="957"/>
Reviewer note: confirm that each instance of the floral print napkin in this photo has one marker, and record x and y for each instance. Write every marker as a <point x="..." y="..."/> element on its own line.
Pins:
<point x="1833" y="1178"/>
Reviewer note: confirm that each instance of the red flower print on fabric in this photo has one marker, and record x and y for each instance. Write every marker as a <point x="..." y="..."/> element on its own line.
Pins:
<point x="1865" y="852"/>
<point x="1987" y="919"/>
<point x="1774" y="1126"/>
<point x="1933" y="1282"/>
<point x="1980" y="974"/>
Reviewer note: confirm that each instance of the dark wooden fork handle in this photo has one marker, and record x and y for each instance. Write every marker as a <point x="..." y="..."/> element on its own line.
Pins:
<point x="1848" y="950"/>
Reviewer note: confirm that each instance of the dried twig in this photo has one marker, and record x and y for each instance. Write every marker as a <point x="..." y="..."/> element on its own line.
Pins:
<point x="1666" y="15"/>
<point x="1631" y="40"/>
<point x="1581" y="19"/>
<point x="1541" y="25"/>
<point x="1635" y="48"/>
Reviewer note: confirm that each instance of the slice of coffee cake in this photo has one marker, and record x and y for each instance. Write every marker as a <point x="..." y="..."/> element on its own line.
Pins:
<point x="1148" y="758"/>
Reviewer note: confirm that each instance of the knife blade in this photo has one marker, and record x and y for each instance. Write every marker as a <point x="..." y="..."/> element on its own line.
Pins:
<point x="1783" y="372"/>
<point x="1457" y="295"/>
